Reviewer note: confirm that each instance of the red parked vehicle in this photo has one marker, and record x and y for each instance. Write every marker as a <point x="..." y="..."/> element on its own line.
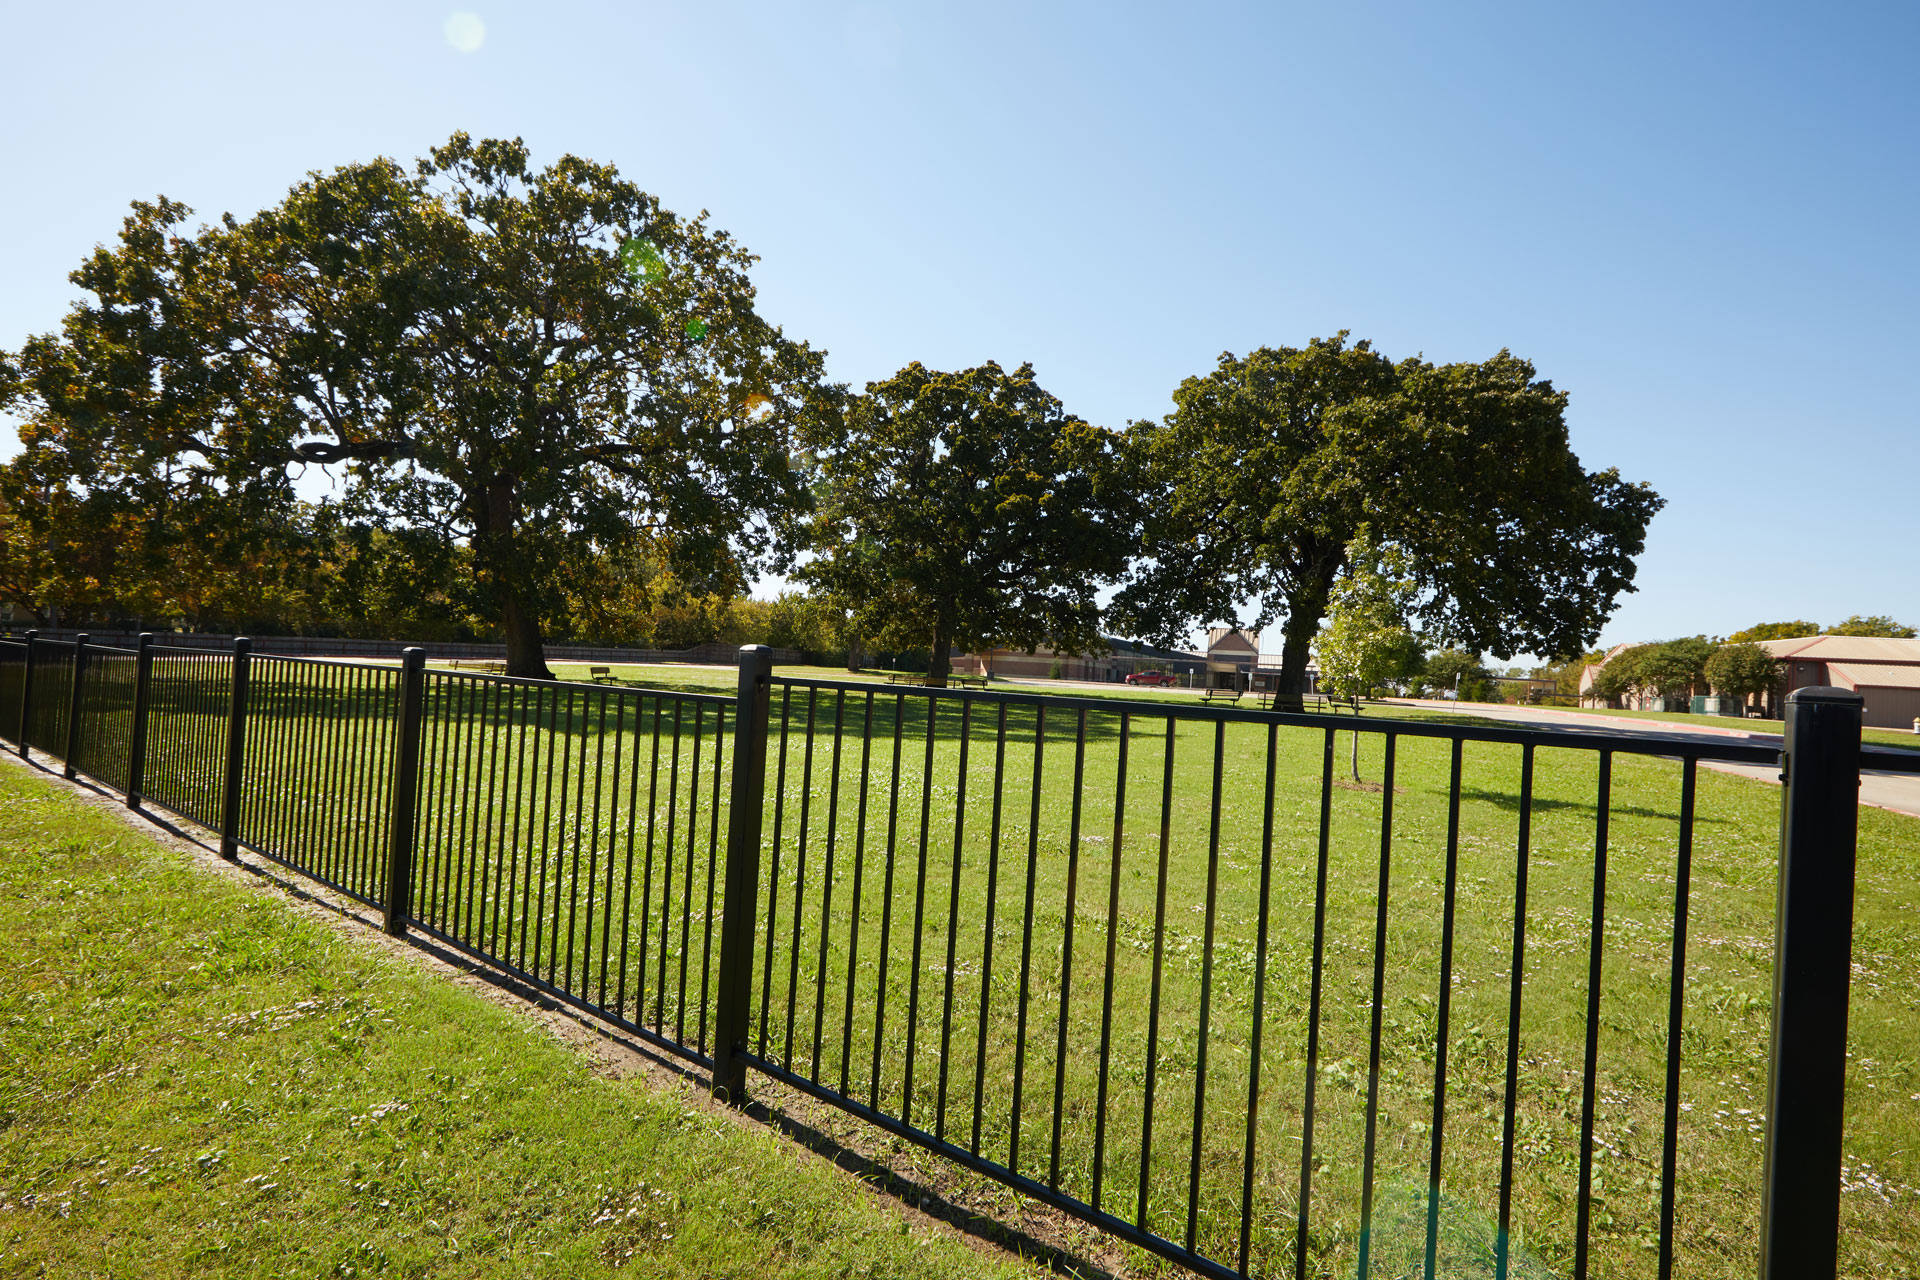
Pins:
<point x="1162" y="678"/>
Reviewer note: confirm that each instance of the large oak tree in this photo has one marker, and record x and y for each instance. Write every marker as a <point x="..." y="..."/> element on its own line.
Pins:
<point x="1269" y="466"/>
<point x="540" y="366"/>
<point x="969" y="509"/>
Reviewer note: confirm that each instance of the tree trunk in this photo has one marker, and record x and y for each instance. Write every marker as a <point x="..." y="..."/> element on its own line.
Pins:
<point x="496" y="512"/>
<point x="1302" y="625"/>
<point x="856" y="654"/>
<point x="1356" y="750"/>
<point x="526" y="649"/>
<point x="939" y="660"/>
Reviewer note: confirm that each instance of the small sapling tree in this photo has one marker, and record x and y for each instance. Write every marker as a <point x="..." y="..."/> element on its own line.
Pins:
<point x="1366" y="640"/>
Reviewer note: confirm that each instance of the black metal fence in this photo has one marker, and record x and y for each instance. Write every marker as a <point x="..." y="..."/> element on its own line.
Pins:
<point x="317" y="768"/>
<point x="1158" y="964"/>
<point x="570" y="833"/>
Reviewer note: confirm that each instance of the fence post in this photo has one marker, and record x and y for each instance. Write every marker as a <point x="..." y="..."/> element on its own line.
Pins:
<point x="236" y="751"/>
<point x="398" y="898"/>
<point x="1812" y="958"/>
<point x="26" y="693"/>
<point x="137" y="739"/>
<point x="72" y="750"/>
<point x="734" y="997"/>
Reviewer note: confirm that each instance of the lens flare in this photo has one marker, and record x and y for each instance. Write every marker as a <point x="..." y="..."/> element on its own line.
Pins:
<point x="642" y="260"/>
<point x="697" y="329"/>
<point x="757" y="406"/>
<point x="465" y="31"/>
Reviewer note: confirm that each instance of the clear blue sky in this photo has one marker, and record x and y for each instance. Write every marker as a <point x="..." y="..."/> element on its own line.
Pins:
<point x="1701" y="224"/>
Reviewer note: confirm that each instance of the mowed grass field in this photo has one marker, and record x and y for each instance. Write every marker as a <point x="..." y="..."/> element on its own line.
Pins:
<point x="720" y="680"/>
<point x="196" y="1079"/>
<point x="613" y="898"/>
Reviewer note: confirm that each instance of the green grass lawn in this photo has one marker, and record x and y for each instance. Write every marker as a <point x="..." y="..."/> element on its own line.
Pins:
<point x="721" y="680"/>
<point x="196" y="1079"/>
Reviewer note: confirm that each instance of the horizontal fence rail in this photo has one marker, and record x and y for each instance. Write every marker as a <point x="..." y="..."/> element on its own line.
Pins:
<point x="1260" y="994"/>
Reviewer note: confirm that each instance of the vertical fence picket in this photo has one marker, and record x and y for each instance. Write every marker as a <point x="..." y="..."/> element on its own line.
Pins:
<point x="735" y="987"/>
<point x="236" y="752"/>
<point x="137" y="733"/>
<point x="1812" y="966"/>
<point x="26" y="692"/>
<point x="405" y="790"/>
<point x="71" y="753"/>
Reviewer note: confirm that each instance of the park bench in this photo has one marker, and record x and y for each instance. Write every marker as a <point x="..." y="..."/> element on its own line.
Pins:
<point x="1314" y="702"/>
<point x="975" y="682"/>
<point x="479" y="664"/>
<point x="600" y="675"/>
<point x="1326" y="702"/>
<point x="1219" y="695"/>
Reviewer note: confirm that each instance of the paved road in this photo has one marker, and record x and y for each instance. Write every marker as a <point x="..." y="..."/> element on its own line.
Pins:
<point x="1897" y="791"/>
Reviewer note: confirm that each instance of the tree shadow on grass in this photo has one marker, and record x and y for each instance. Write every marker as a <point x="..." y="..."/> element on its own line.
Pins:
<point x="876" y="1173"/>
<point x="1542" y="804"/>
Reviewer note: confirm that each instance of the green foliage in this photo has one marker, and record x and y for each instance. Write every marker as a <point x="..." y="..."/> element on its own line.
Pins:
<point x="1742" y="670"/>
<point x="146" y="484"/>
<point x="1775" y="631"/>
<point x="1675" y="668"/>
<point x="967" y="508"/>
<point x="631" y="596"/>
<point x="1621" y="675"/>
<point x="1269" y="466"/>
<point x="379" y="583"/>
<point x="1452" y="669"/>
<point x="807" y="622"/>
<point x="1669" y="669"/>
<point x="1366" y="641"/>
<point x="1878" y="624"/>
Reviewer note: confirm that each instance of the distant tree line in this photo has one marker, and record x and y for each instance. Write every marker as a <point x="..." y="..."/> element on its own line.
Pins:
<point x="1736" y="666"/>
<point x="1878" y="624"/>
<point x="548" y="408"/>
